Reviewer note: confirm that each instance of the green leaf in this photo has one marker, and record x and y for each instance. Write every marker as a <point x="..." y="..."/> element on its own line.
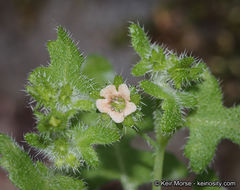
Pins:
<point x="73" y="147"/>
<point x="41" y="88"/>
<point x="135" y="98"/>
<point x="66" y="60"/>
<point x="187" y="99"/>
<point x="99" y="68"/>
<point x="61" y="86"/>
<point x="139" y="39"/>
<point x="53" y="122"/>
<point x="141" y="68"/>
<point x="185" y="71"/>
<point x="129" y="121"/>
<point x="152" y="57"/>
<point x="132" y="167"/>
<point x="158" y="59"/>
<point x="27" y="175"/>
<point x="118" y="80"/>
<point x="210" y="123"/>
<point x="84" y="137"/>
<point x="147" y="123"/>
<point x="37" y="140"/>
<point x="84" y="105"/>
<point x="171" y="117"/>
<point x="62" y="92"/>
<point x="155" y="90"/>
<point x="89" y="118"/>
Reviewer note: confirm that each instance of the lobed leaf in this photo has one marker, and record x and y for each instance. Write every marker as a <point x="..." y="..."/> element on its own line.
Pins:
<point x="61" y="86"/>
<point x="210" y="123"/>
<point x="62" y="92"/>
<point x="27" y="175"/>
<point x="84" y="137"/>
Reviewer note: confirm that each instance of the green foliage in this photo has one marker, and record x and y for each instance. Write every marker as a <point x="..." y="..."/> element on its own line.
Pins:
<point x="142" y="46"/>
<point x="154" y="60"/>
<point x="139" y="39"/>
<point x="66" y="60"/>
<point x="158" y="58"/>
<point x="171" y="116"/>
<point x="61" y="86"/>
<point x="132" y="167"/>
<point x="63" y="92"/>
<point x="38" y="140"/>
<point x="129" y="121"/>
<point x="168" y="74"/>
<point x="71" y="131"/>
<point x="117" y="81"/>
<point x="184" y="71"/>
<point x="173" y="103"/>
<point x="83" y="137"/>
<point x="98" y="68"/>
<point x="74" y="146"/>
<point x="135" y="96"/>
<point x="141" y="68"/>
<point x="210" y="123"/>
<point x="147" y="123"/>
<point x="27" y="175"/>
<point x="53" y="122"/>
<point x="182" y="82"/>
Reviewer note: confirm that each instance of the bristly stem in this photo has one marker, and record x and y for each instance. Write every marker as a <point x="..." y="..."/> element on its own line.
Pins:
<point x="159" y="159"/>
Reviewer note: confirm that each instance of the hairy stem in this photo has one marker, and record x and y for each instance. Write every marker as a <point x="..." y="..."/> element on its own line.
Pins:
<point x="159" y="159"/>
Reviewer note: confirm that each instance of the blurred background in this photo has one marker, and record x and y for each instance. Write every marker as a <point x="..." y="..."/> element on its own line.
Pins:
<point x="208" y="29"/>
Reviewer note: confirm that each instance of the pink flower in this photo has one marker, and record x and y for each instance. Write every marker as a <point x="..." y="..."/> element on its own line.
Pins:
<point x="116" y="103"/>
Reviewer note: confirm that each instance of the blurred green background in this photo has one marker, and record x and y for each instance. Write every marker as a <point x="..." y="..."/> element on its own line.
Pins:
<point x="208" y="29"/>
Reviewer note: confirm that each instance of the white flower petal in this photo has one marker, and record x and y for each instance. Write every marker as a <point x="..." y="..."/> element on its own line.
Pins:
<point x="116" y="116"/>
<point x="130" y="108"/>
<point x="108" y="91"/>
<point x="103" y="105"/>
<point x="124" y="91"/>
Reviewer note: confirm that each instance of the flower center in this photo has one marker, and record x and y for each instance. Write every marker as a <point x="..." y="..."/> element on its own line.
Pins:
<point x="118" y="104"/>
